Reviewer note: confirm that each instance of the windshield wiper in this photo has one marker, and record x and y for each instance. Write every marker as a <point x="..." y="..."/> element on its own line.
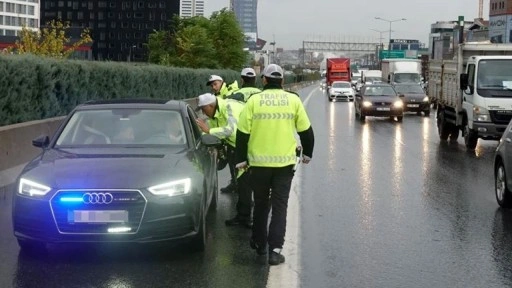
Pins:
<point x="492" y="86"/>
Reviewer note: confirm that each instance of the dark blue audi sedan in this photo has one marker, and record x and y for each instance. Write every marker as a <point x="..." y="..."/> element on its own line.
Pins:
<point x="119" y="171"/>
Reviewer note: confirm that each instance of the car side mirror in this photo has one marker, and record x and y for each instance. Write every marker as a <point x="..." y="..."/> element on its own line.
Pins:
<point x="210" y="140"/>
<point x="463" y="81"/>
<point x="41" y="141"/>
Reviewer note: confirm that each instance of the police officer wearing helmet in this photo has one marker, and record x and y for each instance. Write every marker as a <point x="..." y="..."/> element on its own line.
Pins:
<point x="248" y="89"/>
<point x="266" y="146"/>
<point x="220" y="88"/>
<point x="222" y="123"/>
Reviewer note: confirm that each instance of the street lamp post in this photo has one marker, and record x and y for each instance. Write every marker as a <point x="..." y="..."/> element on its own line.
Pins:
<point x="381" y="44"/>
<point x="130" y="53"/>
<point x="390" y="22"/>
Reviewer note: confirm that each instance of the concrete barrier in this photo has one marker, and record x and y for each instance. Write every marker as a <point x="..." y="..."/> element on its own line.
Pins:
<point x="16" y="141"/>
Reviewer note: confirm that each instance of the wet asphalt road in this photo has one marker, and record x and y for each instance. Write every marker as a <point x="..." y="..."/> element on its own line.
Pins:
<point x="385" y="204"/>
<point x="382" y="204"/>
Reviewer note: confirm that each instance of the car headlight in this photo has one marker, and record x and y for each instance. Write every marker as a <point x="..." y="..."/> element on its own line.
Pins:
<point x="174" y="188"/>
<point x="481" y="114"/>
<point x="425" y="99"/>
<point x="32" y="188"/>
<point x="398" y="104"/>
<point x="367" y="104"/>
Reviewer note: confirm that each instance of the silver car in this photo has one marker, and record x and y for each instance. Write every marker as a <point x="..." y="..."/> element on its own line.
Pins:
<point x="503" y="169"/>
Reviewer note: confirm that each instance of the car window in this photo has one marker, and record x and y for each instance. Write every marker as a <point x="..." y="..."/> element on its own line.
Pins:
<point x="379" y="91"/>
<point x="123" y="126"/>
<point x="195" y="129"/>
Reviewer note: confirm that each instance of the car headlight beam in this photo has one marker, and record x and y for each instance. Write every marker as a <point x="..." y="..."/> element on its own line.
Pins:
<point x="481" y="114"/>
<point x="174" y="188"/>
<point x="398" y="104"/>
<point x="425" y="99"/>
<point x="31" y="188"/>
<point x="367" y="104"/>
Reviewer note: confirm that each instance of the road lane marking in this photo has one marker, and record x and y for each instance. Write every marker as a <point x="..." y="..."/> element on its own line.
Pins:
<point x="287" y="274"/>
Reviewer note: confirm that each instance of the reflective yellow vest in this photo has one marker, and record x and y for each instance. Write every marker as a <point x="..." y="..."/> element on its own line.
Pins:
<point x="272" y="118"/>
<point x="226" y="90"/>
<point x="224" y="123"/>
<point x="244" y="93"/>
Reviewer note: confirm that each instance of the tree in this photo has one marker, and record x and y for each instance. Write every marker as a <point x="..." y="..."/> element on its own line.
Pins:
<point x="50" y="41"/>
<point x="198" y="42"/>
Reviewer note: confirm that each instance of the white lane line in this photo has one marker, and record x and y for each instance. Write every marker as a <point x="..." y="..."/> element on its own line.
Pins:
<point x="287" y="274"/>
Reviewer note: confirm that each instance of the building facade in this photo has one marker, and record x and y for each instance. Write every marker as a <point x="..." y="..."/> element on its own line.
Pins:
<point x="246" y="12"/>
<point x="191" y="8"/>
<point x="119" y="29"/>
<point x="16" y="14"/>
<point x="500" y="21"/>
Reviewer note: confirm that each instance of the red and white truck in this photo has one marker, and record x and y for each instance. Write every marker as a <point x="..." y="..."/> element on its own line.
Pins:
<point x="338" y="69"/>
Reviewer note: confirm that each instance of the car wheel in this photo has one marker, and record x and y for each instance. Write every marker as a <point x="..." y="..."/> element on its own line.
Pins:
<point x="470" y="138"/>
<point x="362" y="118"/>
<point x="502" y="193"/>
<point x="198" y="243"/>
<point x="215" y="194"/>
<point x="418" y="113"/>
<point x="426" y="113"/>
<point x="31" y="247"/>
<point x="399" y="118"/>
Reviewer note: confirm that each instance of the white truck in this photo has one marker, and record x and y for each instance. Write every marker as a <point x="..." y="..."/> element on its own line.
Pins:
<point x="473" y="91"/>
<point x="401" y="71"/>
<point x="371" y="76"/>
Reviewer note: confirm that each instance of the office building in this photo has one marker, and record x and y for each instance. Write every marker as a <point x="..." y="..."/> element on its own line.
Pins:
<point x="119" y="29"/>
<point x="191" y="8"/>
<point x="16" y="14"/>
<point x="500" y="17"/>
<point x="246" y="12"/>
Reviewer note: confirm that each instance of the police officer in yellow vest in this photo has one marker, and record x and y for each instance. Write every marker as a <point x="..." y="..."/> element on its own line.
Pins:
<point x="266" y="146"/>
<point x="220" y="88"/>
<point x="248" y="89"/>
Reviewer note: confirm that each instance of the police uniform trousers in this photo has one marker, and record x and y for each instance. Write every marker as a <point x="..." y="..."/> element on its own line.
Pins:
<point x="244" y="203"/>
<point x="263" y="180"/>
<point x="231" y="162"/>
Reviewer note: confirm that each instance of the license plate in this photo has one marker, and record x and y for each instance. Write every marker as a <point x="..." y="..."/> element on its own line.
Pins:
<point x="413" y="105"/>
<point x="383" y="109"/>
<point x="100" y="216"/>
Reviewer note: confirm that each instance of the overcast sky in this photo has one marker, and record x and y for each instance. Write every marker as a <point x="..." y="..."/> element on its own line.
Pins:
<point x="293" y="21"/>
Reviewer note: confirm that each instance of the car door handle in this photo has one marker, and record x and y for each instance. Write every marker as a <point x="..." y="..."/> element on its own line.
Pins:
<point x="508" y="140"/>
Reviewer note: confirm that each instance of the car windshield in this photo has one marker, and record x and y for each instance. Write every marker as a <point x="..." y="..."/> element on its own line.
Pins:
<point x="379" y="91"/>
<point x="409" y="89"/>
<point x="495" y="74"/>
<point x="341" y="85"/>
<point x="123" y="126"/>
<point x="407" y="78"/>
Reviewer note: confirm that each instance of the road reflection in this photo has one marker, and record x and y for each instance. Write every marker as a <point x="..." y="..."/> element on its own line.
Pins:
<point x="365" y="179"/>
<point x="502" y="244"/>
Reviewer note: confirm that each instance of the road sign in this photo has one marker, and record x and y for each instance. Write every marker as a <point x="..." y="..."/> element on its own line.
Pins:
<point x="386" y="54"/>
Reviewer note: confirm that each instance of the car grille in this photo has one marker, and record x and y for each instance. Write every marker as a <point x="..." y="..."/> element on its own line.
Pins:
<point x="378" y="103"/>
<point x="500" y="117"/>
<point x="131" y="201"/>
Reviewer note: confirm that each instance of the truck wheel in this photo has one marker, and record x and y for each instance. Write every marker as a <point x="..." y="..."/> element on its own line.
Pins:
<point x="503" y="195"/>
<point x="442" y="127"/>
<point x="455" y="133"/>
<point x="470" y="138"/>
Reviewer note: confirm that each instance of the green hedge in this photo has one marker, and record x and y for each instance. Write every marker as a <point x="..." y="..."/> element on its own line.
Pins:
<point x="34" y="88"/>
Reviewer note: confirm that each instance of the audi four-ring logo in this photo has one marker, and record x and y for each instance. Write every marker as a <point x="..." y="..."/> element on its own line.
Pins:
<point x="97" y="198"/>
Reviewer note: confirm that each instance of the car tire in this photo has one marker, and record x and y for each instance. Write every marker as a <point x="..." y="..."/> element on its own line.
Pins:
<point x="31" y="247"/>
<point x="362" y="117"/>
<point x="198" y="243"/>
<point x="503" y="195"/>
<point x="454" y="135"/>
<point x="470" y="138"/>
<point x="426" y="113"/>
<point x="399" y="118"/>
<point x="418" y="113"/>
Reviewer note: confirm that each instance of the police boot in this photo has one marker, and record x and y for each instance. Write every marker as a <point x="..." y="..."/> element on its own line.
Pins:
<point x="275" y="257"/>
<point x="260" y="249"/>
<point x="229" y="189"/>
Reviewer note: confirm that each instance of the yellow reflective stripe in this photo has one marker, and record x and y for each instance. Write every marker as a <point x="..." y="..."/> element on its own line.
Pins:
<point x="271" y="159"/>
<point x="273" y="116"/>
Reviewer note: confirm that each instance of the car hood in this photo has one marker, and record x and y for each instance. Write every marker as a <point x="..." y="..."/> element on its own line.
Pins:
<point x="381" y="98"/>
<point x="109" y="168"/>
<point x="414" y="97"/>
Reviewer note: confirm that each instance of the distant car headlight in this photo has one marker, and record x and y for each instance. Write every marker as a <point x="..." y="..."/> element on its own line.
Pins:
<point x="425" y="99"/>
<point x="367" y="104"/>
<point x="174" y="188"/>
<point x="31" y="188"/>
<point x="398" y="104"/>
